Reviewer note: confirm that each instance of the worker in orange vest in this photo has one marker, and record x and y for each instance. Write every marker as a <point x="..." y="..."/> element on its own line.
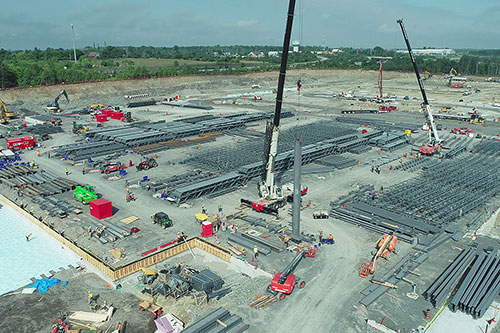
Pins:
<point x="330" y="239"/>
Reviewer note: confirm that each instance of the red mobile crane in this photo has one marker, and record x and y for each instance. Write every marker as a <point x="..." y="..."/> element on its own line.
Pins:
<point x="434" y="145"/>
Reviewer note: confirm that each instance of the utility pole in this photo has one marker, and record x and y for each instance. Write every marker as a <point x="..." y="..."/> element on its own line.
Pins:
<point x="74" y="48"/>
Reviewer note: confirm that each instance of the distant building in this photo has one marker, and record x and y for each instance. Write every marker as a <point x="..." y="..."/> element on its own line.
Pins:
<point x="296" y="46"/>
<point x="272" y="53"/>
<point x="93" y="55"/>
<point x="256" y="54"/>
<point x="430" y="51"/>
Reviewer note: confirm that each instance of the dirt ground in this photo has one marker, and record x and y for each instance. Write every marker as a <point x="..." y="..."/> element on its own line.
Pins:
<point x="38" y="312"/>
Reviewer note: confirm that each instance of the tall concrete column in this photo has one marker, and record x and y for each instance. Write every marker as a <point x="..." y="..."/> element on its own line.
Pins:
<point x="297" y="168"/>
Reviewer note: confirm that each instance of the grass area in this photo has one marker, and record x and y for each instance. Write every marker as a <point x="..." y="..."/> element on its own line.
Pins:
<point x="156" y="63"/>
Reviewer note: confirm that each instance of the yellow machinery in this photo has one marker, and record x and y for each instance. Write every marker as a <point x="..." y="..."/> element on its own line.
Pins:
<point x="446" y="109"/>
<point x="427" y="75"/>
<point x="453" y="71"/>
<point x="147" y="271"/>
<point x="95" y="107"/>
<point x="5" y="113"/>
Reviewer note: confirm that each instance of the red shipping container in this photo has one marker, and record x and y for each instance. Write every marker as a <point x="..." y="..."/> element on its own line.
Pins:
<point x="106" y="112"/>
<point x="206" y="229"/>
<point x="21" y="143"/>
<point x="100" y="118"/>
<point x="116" y="115"/>
<point x="101" y="208"/>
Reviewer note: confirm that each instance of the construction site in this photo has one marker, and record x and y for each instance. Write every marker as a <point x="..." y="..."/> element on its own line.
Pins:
<point x="323" y="200"/>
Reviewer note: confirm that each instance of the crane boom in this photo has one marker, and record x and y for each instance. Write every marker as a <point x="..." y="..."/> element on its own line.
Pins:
<point x="268" y="188"/>
<point x="290" y="268"/>
<point x="433" y="134"/>
<point x="380" y="81"/>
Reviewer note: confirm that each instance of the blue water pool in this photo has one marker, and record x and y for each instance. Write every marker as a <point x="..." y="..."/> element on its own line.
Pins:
<point x="21" y="260"/>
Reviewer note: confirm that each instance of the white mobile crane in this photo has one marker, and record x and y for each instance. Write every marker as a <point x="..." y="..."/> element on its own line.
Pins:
<point x="434" y="145"/>
<point x="272" y="197"/>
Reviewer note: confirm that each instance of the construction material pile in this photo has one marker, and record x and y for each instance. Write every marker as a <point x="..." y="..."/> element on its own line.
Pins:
<point x="219" y="320"/>
<point x="177" y="281"/>
<point x="222" y="158"/>
<point x="475" y="277"/>
<point x="426" y="204"/>
<point x="480" y="286"/>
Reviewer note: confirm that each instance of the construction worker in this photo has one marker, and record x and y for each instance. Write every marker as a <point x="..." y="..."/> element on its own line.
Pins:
<point x="286" y="240"/>
<point x="127" y="197"/>
<point x="330" y="239"/>
<point x="203" y="209"/>
<point x="38" y="153"/>
<point x="320" y="236"/>
<point x="132" y="197"/>
<point x="66" y="171"/>
<point x="219" y="208"/>
<point x="90" y="297"/>
<point x="48" y="153"/>
<point x="83" y="171"/>
<point x="28" y="237"/>
<point x="255" y="252"/>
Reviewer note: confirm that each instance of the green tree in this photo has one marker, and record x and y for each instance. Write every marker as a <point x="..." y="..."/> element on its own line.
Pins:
<point x="8" y="78"/>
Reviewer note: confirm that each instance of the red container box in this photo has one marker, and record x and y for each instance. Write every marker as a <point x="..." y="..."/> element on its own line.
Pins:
<point x="21" y="143"/>
<point x="106" y="112"/>
<point x="100" y="118"/>
<point x="116" y="115"/>
<point x="206" y="229"/>
<point x="101" y="208"/>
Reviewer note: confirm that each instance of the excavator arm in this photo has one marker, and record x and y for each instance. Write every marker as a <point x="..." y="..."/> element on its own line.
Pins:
<point x="55" y="106"/>
<point x="62" y="93"/>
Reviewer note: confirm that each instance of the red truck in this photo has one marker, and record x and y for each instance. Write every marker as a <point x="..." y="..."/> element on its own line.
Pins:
<point x="21" y="143"/>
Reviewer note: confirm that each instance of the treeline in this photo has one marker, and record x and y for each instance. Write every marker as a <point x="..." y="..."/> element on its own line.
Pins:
<point x="51" y="66"/>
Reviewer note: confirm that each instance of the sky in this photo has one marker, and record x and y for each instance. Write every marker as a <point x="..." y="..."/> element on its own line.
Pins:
<point x="26" y="24"/>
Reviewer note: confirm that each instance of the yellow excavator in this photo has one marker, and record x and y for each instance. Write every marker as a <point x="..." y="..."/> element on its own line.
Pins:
<point x="427" y="75"/>
<point x="4" y="113"/>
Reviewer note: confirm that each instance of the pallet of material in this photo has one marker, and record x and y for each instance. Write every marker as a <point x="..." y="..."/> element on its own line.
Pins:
<point x="129" y="219"/>
<point x="262" y="301"/>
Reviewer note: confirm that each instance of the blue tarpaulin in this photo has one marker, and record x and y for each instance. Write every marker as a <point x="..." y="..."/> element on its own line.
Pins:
<point x="43" y="285"/>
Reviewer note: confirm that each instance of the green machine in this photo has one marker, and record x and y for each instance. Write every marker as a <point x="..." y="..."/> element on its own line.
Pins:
<point x="162" y="219"/>
<point x="85" y="194"/>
